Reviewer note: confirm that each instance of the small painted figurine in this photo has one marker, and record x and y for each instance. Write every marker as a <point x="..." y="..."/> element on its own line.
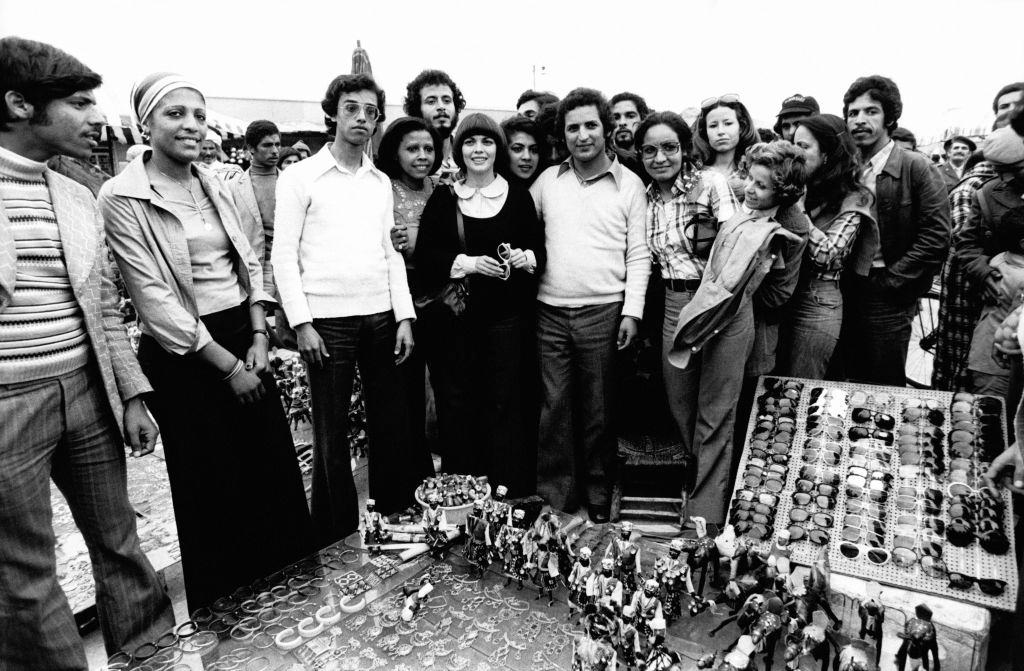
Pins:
<point x="373" y="525"/>
<point x="478" y="539"/>
<point x="872" y="617"/>
<point x="546" y="576"/>
<point x="643" y="618"/>
<point x="593" y="651"/>
<point x="435" y="523"/>
<point x="856" y="656"/>
<point x="604" y="589"/>
<point x="703" y="556"/>
<point x="498" y="510"/>
<point x="673" y="573"/>
<point x="659" y="656"/>
<point x="578" y="578"/>
<point x="625" y="552"/>
<point x="919" y="641"/>
<point x="514" y="550"/>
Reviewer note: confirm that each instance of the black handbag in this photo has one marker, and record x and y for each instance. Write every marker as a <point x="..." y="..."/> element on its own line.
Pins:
<point x="455" y="291"/>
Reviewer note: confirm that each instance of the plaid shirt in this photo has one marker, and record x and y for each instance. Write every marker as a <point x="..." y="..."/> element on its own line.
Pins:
<point x="960" y="196"/>
<point x="669" y="229"/>
<point x="827" y="249"/>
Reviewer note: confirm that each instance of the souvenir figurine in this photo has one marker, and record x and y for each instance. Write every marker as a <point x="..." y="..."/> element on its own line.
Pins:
<point x="498" y="511"/>
<point x="765" y="631"/>
<point x="593" y="651"/>
<point x="644" y="616"/>
<point x="919" y="641"/>
<point x="813" y="595"/>
<point x="810" y="646"/>
<point x="704" y="556"/>
<point x="872" y="617"/>
<point x="604" y="589"/>
<point x="435" y="523"/>
<point x="373" y="525"/>
<point x="577" y="581"/>
<point x="659" y="657"/>
<point x="546" y="575"/>
<point x="561" y="546"/>
<point x="625" y="552"/>
<point x="514" y="551"/>
<point x="747" y="615"/>
<point x="673" y="574"/>
<point x="414" y="598"/>
<point x="478" y="539"/>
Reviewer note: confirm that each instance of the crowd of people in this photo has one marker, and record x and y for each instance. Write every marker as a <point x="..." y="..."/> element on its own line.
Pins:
<point x="511" y="261"/>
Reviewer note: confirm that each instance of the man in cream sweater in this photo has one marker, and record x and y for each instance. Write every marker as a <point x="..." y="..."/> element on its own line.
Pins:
<point x="344" y="289"/>
<point x="591" y="298"/>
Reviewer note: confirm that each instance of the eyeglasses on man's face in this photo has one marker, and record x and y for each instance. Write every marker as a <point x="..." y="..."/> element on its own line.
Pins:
<point x="351" y="109"/>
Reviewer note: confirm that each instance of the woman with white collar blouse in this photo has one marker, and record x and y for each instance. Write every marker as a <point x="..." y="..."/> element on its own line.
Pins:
<point x="501" y="258"/>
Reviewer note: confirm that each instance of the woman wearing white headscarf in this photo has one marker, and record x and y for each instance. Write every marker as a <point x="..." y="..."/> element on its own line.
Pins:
<point x="197" y="287"/>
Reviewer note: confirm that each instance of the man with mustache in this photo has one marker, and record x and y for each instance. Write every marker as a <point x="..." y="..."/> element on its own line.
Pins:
<point x="434" y="97"/>
<point x="913" y="237"/>
<point x="590" y="302"/>
<point x="71" y="390"/>
<point x="628" y="110"/>
<point x="957" y="149"/>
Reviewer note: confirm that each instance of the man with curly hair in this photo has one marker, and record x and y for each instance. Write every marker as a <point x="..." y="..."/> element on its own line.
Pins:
<point x="913" y="237"/>
<point x="434" y="97"/>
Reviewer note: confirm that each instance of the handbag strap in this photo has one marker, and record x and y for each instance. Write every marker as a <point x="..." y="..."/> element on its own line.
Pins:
<point x="458" y="220"/>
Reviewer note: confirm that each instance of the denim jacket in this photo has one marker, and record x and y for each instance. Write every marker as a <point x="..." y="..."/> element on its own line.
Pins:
<point x="148" y="242"/>
<point x="745" y="250"/>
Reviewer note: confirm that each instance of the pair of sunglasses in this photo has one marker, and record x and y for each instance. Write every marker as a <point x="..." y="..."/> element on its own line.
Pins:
<point x="817" y="536"/>
<point x="880" y="419"/>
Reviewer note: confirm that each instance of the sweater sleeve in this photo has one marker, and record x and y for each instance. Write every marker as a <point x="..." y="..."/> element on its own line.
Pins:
<point x="398" y="281"/>
<point x="638" y="255"/>
<point x="289" y="216"/>
<point x="437" y="243"/>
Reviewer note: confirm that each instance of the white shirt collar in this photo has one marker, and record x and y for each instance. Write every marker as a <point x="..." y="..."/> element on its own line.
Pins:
<point x="496" y="189"/>
<point x="877" y="162"/>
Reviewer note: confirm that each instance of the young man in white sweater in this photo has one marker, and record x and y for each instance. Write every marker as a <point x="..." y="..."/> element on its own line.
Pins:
<point x="591" y="298"/>
<point x="344" y="289"/>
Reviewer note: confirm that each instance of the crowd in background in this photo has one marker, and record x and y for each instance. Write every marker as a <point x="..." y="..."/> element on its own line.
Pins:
<point x="517" y="264"/>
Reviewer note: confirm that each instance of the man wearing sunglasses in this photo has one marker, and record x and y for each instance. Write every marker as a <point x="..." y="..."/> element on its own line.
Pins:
<point x="913" y="237"/>
<point x="591" y="299"/>
<point x="344" y="289"/>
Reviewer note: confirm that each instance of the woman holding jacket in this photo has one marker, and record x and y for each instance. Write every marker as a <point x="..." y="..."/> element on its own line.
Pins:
<point x="197" y="287"/>
<point x="499" y="253"/>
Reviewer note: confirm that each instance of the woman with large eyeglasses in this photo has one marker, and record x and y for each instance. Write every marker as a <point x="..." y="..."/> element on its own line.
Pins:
<point x="686" y="205"/>
<point x="197" y="286"/>
<point x="500" y="252"/>
<point x="839" y="206"/>
<point x="725" y="130"/>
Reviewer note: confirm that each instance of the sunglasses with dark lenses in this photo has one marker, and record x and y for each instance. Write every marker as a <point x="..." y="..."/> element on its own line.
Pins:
<point x="751" y="516"/>
<point x="960" y="532"/>
<point x="819" y="475"/>
<point x="877" y="556"/>
<point x="879" y="495"/>
<point x="773" y="457"/>
<point x="753" y="530"/>
<point x="994" y="541"/>
<point x="912" y="503"/>
<point x="881" y="420"/>
<point x="863" y="433"/>
<point x="865" y="449"/>
<point x="934" y="417"/>
<point x="799" y="515"/>
<point x="805" y="499"/>
<point x="989" y="586"/>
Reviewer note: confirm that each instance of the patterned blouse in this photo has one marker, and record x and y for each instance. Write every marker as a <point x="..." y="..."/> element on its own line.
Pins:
<point x="671" y="225"/>
<point x="828" y="247"/>
<point x="409" y="206"/>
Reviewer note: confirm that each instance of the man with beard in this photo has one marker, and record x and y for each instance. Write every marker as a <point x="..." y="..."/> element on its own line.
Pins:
<point x="914" y="234"/>
<point x="628" y="110"/>
<point x="958" y="149"/>
<point x="434" y="97"/>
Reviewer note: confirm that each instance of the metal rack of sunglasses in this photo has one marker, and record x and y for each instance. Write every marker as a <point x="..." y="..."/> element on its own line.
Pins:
<point x="971" y="559"/>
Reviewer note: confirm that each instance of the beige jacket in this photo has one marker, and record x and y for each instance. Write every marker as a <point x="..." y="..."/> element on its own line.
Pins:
<point x="150" y="248"/>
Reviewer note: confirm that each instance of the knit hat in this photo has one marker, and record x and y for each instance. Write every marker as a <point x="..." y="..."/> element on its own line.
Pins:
<point x="799" y="104"/>
<point x="1003" y="147"/>
<point x="301" y="146"/>
<point x="150" y="90"/>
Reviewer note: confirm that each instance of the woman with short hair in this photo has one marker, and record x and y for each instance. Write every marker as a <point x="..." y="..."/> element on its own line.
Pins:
<point x="499" y="252"/>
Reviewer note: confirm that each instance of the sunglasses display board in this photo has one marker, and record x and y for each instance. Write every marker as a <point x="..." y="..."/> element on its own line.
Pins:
<point x="889" y="479"/>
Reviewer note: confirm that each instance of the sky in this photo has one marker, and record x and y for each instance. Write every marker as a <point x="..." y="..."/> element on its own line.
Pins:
<point x="948" y="58"/>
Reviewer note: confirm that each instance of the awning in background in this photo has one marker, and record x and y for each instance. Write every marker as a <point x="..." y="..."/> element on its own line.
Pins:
<point x="121" y="126"/>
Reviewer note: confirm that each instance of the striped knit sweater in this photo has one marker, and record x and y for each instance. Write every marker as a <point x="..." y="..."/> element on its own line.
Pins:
<point x="42" y="331"/>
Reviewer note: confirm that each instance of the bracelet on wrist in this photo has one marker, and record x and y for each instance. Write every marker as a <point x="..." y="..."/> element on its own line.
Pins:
<point x="238" y="368"/>
<point x="262" y="332"/>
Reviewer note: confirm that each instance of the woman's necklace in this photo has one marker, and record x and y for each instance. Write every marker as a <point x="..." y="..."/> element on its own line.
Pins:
<point x="207" y="226"/>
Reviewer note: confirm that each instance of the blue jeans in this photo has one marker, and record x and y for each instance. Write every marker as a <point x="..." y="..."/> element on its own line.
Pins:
<point x="812" y="331"/>
<point x="703" y="399"/>
<point x="62" y="428"/>
<point x="576" y="442"/>
<point x="396" y="468"/>
<point x="876" y="335"/>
